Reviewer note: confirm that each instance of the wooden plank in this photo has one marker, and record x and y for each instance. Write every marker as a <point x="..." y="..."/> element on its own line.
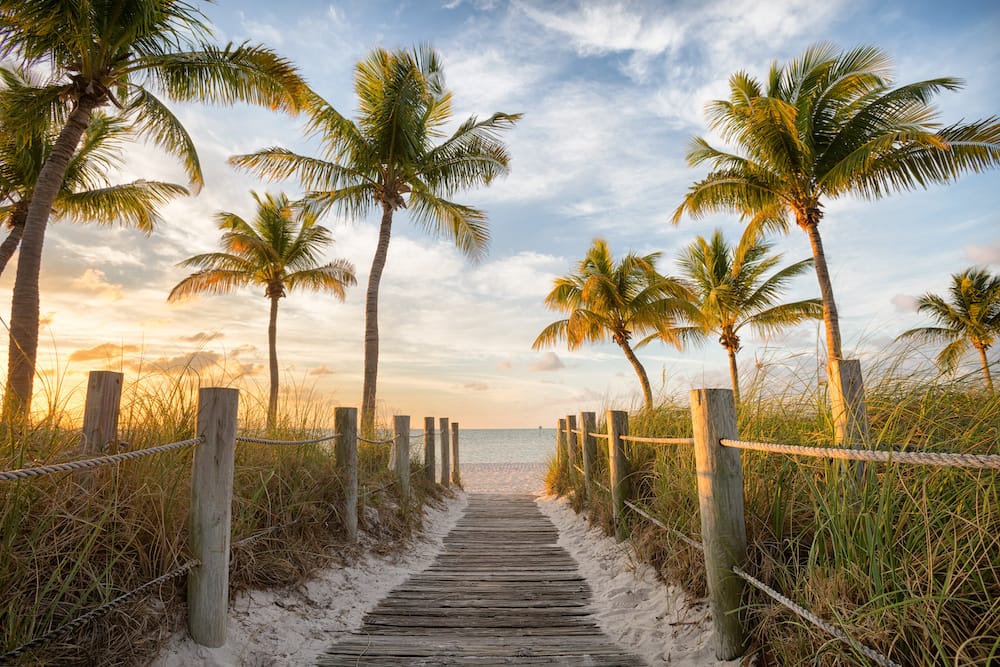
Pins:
<point x="501" y="592"/>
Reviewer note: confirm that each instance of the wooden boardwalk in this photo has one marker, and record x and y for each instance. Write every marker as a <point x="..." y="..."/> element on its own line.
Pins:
<point x="501" y="592"/>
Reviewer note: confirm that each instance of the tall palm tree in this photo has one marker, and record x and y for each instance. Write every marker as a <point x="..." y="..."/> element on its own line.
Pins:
<point x="388" y="159"/>
<point x="279" y="250"/>
<point x="86" y="194"/>
<point x="825" y="125"/>
<point x="732" y="291"/>
<point x="970" y="315"/>
<point x="609" y="300"/>
<point x="117" y="52"/>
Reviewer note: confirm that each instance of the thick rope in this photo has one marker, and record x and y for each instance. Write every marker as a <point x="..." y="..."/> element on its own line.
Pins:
<point x="649" y="517"/>
<point x="70" y="466"/>
<point x="659" y="441"/>
<point x="69" y="627"/>
<point x="377" y="442"/>
<point x="246" y="541"/>
<point x="600" y="435"/>
<point x="928" y="458"/>
<point x="815" y="620"/>
<point x="265" y="441"/>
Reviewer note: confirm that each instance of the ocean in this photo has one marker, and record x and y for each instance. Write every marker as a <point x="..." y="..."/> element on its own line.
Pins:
<point x="499" y="445"/>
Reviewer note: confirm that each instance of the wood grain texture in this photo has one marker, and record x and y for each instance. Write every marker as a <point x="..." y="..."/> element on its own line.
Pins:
<point x="501" y="592"/>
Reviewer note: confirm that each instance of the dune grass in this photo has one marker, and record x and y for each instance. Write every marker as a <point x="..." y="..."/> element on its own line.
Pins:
<point x="908" y="564"/>
<point x="73" y="541"/>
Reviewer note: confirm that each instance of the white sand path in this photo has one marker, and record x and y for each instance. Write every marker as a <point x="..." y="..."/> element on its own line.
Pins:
<point x="292" y="627"/>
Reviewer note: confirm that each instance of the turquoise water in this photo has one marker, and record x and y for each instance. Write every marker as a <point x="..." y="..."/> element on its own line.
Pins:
<point x="502" y="445"/>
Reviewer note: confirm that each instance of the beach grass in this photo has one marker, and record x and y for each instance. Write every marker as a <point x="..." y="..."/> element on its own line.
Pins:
<point x="74" y="541"/>
<point x="907" y="563"/>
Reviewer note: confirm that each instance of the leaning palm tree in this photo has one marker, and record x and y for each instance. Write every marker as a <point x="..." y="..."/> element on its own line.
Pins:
<point x="117" y="52"/>
<point x="969" y="316"/>
<point x="86" y="194"/>
<point x="609" y="300"/>
<point x="388" y="159"/>
<point x="279" y="251"/>
<point x="823" y="126"/>
<point x="732" y="291"/>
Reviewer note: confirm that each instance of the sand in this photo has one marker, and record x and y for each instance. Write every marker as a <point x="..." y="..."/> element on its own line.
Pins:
<point x="294" y="626"/>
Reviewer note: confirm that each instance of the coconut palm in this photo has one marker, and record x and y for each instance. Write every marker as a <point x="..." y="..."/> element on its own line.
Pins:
<point x="388" y="159"/>
<point x="732" y="291"/>
<point x="117" y="52"/>
<point x="825" y="125"/>
<point x="280" y="251"/>
<point x="609" y="300"/>
<point x="86" y="194"/>
<point x="969" y="315"/>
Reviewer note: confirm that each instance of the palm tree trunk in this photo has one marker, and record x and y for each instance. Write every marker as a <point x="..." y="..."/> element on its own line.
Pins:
<point x="986" y="368"/>
<point x="9" y="245"/>
<point x="272" y="350"/>
<point x="371" y="323"/>
<point x="830" y="317"/>
<point x="734" y="374"/>
<point x="647" y="392"/>
<point x="24" y="310"/>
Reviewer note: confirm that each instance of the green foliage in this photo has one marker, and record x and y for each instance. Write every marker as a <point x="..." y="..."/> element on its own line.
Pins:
<point x="72" y="541"/>
<point x="614" y="300"/>
<point x="909" y="564"/>
<point x="970" y="316"/>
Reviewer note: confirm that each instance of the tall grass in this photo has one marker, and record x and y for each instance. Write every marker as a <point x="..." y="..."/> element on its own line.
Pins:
<point x="73" y="541"/>
<point x="909" y="563"/>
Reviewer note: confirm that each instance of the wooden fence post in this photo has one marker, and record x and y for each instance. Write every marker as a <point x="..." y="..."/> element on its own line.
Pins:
<point x="720" y="496"/>
<point x="571" y="440"/>
<point x="561" y="444"/>
<point x="588" y="447"/>
<point x="401" y="452"/>
<point x="456" y="474"/>
<point x="846" y="389"/>
<point x="429" y="448"/>
<point x="211" y="515"/>
<point x="620" y="487"/>
<point x="445" y="453"/>
<point x="345" y="423"/>
<point x="100" y="413"/>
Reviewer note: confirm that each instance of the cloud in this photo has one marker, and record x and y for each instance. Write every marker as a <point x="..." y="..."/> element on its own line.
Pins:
<point x="476" y="386"/>
<point x="905" y="303"/>
<point x="103" y="352"/>
<point x="986" y="253"/>
<point x="504" y="365"/>
<point x="94" y="281"/>
<point x="194" y="361"/>
<point x="549" y="361"/>
<point x="202" y="337"/>
<point x="603" y="28"/>
<point x="320" y="371"/>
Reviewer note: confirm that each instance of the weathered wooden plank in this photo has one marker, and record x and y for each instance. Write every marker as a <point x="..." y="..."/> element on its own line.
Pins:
<point x="502" y="592"/>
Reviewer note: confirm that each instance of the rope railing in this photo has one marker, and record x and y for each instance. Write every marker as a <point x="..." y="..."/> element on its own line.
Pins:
<point x="376" y="442"/>
<point x="989" y="461"/>
<point x="246" y="541"/>
<point x="69" y="466"/>
<point x="97" y="612"/>
<point x="807" y="615"/>
<point x="603" y="436"/>
<point x="265" y="441"/>
<point x="652" y="519"/>
<point x="658" y="441"/>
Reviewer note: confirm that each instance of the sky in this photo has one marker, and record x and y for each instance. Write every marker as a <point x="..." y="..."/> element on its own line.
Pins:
<point x="611" y="93"/>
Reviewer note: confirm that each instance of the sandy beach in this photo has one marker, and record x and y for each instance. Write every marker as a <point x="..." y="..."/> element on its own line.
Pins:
<point x="294" y="626"/>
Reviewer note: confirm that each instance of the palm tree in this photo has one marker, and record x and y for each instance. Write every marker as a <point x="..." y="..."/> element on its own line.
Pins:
<point x="826" y="125"/>
<point x="732" y="291"/>
<point x="86" y="193"/>
<point x="280" y="251"/>
<point x="117" y="52"/>
<point x="387" y="160"/>
<point x="970" y="317"/>
<point x="613" y="300"/>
